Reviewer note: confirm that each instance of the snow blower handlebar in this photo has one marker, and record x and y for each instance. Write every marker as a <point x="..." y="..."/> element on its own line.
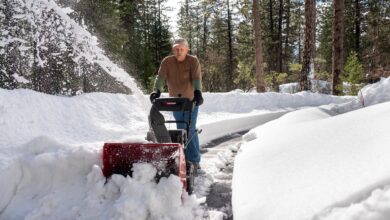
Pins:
<point x="175" y="105"/>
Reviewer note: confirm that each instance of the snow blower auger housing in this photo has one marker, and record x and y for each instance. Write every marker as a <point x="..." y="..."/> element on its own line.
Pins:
<point x="166" y="152"/>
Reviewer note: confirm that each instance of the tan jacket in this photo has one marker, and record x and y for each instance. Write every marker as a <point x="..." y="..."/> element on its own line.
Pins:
<point x="179" y="75"/>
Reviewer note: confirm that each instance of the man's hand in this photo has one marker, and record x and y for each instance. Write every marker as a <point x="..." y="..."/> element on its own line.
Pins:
<point x="154" y="95"/>
<point x="198" y="99"/>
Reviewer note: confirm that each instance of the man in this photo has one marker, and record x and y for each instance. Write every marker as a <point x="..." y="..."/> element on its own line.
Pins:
<point x="182" y="74"/>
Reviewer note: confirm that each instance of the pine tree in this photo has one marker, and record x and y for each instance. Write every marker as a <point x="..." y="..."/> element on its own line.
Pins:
<point x="246" y="68"/>
<point x="376" y="40"/>
<point x="353" y="73"/>
<point x="13" y="59"/>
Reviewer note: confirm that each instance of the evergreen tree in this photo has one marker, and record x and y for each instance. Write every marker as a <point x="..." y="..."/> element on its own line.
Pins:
<point x="376" y="41"/>
<point x="209" y="27"/>
<point x="246" y="68"/>
<point x="13" y="51"/>
<point x="353" y="73"/>
<point x="353" y="23"/>
<point x="148" y="37"/>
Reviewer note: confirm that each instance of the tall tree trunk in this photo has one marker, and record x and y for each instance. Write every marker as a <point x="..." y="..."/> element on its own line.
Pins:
<point x="205" y="31"/>
<point x="357" y="26"/>
<point x="188" y="23"/>
<point x="158" y="37"/>
<point x="299" y="39"/>
<point x="198" y="32"/>
<point x="304" y="81"/>
<point x="313" y="35"/>
<point x="260" y="85"/>
<point x="204" y="57"/>
<point x="337" y="46"/>
<point x="280" y="40"/>
<point x="374" y="28"/>
<point x="230" y="61"/>
<point x="272" y="56"/>
<point x="287" y="33"/>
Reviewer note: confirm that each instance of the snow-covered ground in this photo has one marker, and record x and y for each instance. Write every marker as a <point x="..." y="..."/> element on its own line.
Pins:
<point x="50" y="152"/>
<point x="326" y="162"/>
<point x="318" y="164"/>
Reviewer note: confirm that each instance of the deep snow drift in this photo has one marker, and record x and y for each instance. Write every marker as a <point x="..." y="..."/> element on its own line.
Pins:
<point x="50" y="149"/>
<point x="317" y="164"/>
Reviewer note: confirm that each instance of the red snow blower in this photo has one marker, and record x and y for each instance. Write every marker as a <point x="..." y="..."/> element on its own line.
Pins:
<point x="166" y="152"/>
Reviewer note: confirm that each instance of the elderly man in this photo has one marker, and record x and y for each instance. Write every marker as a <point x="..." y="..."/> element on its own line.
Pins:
<point x="182" y="74"/>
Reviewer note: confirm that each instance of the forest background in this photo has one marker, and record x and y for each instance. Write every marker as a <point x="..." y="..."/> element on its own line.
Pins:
<point x="297" y="45"/>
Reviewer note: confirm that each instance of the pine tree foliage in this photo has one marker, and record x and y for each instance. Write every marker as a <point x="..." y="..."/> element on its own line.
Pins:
<point x="42" y="51"/>
<point x="283" y="38"/>
<point x="246" y="72"/>
<point x="366" y="32"/>
<point x="13" y="49"/>
<point x="135" y="33"/>
<point x="353" y="73"/>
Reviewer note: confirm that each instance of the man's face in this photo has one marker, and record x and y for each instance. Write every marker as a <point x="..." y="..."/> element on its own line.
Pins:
<point x="180" y="52"/>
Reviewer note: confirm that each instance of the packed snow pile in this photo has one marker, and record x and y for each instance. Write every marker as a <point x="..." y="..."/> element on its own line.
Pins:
<point x="325" y="166"/>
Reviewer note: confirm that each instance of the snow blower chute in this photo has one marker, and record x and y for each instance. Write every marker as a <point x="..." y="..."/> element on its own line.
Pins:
<point x="166" y="152"/>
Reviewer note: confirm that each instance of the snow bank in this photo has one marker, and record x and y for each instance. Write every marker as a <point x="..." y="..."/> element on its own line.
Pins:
<point x="375" y="93"/>
<point x="227" y="113"/>
<point x="317" y="164"/>
<point x="88" y="118"/>
<point x="238" y="102"/>
<point x="321" y="163"/>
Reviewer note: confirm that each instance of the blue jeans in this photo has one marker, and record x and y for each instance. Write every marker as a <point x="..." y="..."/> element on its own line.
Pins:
<point x="192" y="151"/>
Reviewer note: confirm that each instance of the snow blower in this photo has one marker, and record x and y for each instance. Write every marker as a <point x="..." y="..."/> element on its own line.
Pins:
<point x="165" y="152"/>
